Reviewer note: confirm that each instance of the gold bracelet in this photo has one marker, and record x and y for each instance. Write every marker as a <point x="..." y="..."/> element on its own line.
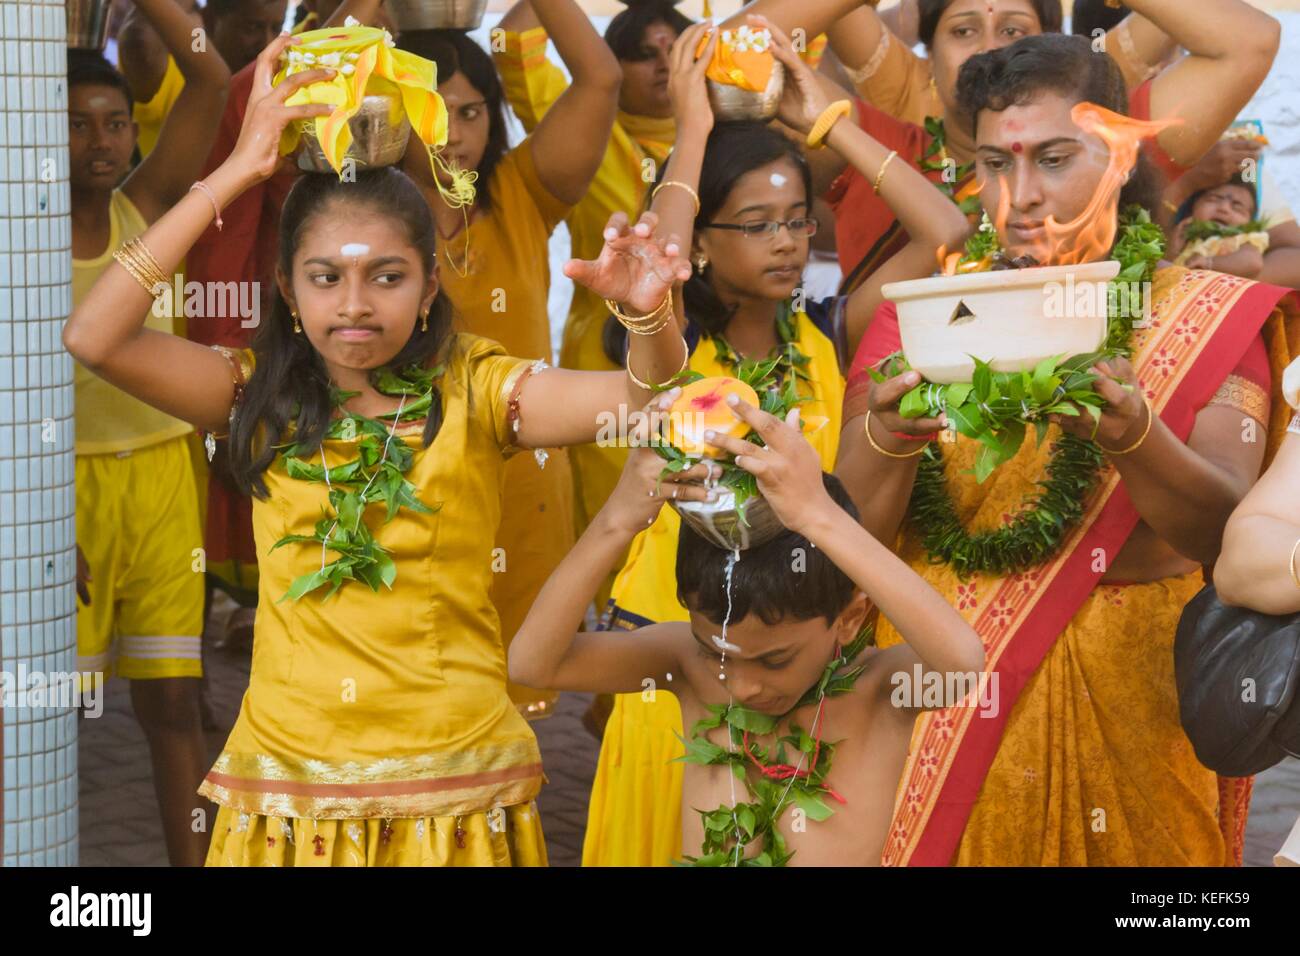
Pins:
<point x="881" y="175"/>
<point x="828" y="118"/>
<point x="686" y="358"/>
<point x="885" y="451"/>
<point x="1294" y="577"/>
<point x="1133" y="447"/>
<point x="646" y="324"/>
<point x="135" y="257"/>
<point x="145" y="272"/>
<point x="680" y="185"/>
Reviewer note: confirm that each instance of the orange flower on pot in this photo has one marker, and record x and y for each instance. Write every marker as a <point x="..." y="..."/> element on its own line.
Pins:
<point x="702" y="407"/>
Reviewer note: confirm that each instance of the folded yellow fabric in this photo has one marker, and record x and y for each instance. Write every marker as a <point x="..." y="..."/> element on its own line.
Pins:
<point x="742" y="57"/>
<point x="367" y="63"/>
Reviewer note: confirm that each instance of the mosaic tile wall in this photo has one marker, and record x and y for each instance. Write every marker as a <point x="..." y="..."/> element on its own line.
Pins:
<point x="38" y="768"/>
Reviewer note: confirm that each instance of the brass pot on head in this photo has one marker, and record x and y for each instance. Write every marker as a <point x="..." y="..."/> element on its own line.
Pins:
<point x="376" y="141"/>
<point x="731" y="103"/>
<point x="437" y="14"/>
<point x="718" y="522"/>
<point x="88" y="23"/>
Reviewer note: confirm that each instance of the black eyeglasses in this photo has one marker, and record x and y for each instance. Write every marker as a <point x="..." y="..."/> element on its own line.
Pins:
<point x="805" y="227"/>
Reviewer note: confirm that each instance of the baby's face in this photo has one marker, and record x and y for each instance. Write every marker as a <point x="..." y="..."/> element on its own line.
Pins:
<point x="1231" y="204"/>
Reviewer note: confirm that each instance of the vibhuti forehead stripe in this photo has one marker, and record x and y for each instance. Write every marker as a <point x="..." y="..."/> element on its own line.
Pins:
<point x="725" y="645"/>
<point x="354" y="250"/>
<point x="777" y="180"/>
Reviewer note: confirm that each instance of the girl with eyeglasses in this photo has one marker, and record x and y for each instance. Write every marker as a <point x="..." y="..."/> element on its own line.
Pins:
<point x="749" y="240"/>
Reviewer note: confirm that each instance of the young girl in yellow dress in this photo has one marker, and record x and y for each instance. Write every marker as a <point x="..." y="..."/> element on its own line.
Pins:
<point x="748" y="233"/>
<point x="376" y="729"/>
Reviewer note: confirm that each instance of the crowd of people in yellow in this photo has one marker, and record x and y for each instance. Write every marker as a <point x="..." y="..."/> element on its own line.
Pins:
<point x="432" y="534"/>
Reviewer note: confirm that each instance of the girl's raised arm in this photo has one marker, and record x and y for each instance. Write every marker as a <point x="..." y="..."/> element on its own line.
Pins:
<point x="931" y="219"/>
<point x="570" y="141"/>
<point x="106" y="331"/>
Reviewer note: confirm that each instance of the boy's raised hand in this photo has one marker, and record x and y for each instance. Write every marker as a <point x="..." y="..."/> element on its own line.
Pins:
<point x="788" y="468"/>
<point x="641" y="491"/>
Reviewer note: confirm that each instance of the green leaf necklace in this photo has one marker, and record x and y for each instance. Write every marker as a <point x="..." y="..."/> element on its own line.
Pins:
<point x="995" y="410"/>
<point x="936" y="159"/>
<point x="730" y="829"/>
<point x="375" y="474"/>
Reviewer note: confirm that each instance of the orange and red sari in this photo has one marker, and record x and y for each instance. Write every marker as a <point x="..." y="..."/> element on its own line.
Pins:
<point x="1083" y="761"/>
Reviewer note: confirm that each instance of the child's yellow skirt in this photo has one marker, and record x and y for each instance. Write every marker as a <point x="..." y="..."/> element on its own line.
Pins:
<point x="506" y="836"/>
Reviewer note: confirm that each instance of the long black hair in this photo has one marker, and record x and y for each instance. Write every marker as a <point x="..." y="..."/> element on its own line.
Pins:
<point x="1060" y="63"/>
<point x="452" y="52"/>
<point x="732" y="150"/>
<point x="290" y="384"/>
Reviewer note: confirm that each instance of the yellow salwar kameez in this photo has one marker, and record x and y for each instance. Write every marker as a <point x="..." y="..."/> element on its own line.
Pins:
<point x="379" y="722"/>
<point x="1091" y="767"/>
<point x="637" y="145"/>
<point x="499" y="289"/>
<point x="634" y="817"/>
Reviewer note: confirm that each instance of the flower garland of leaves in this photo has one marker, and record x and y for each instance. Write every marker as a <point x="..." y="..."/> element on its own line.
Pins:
<point x="996" y="409"/>
<point x="935" y="159"/>
<point x="1199" y="229"/>
<point x="729" y="830"/>
<point x="774" y="379"/>
<point x="376" y="474"/>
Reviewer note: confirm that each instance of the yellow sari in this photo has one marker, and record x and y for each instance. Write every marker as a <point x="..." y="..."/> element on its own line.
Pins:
<point x="634" y="817"/>
<point x="637" y="145"/>
<point x="1085" y="761"/>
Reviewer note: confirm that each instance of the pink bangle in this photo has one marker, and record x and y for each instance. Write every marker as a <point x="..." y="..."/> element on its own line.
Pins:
<point x="207" y="191"/>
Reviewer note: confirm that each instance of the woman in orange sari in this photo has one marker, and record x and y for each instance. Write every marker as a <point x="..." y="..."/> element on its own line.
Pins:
<point x="1081" y="758"/>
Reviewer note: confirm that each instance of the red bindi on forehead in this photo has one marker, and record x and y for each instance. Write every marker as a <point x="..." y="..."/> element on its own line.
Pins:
<point x="1016" y="147"/>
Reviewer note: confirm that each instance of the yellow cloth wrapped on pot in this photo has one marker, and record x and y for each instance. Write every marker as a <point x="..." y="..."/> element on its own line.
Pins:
<point x="367" y="63"/>
<point x="742" y="58"/>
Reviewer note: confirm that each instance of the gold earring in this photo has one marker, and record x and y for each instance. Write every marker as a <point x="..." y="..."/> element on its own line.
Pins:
<point x="424" y="321"/>
<point x="296" y="326"/>
<point x="701" y="263"/>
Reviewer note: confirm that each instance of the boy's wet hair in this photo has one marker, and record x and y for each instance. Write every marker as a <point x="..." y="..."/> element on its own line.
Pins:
<point x="626" y="30"/>
<point x="1053" y="63"/>
<point x="89" y="68"/>
<point x="765" y="581"/>
<point x="929" y="12"/>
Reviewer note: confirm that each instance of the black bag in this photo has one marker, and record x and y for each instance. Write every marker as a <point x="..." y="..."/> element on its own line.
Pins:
<point x="1223" y="654"/>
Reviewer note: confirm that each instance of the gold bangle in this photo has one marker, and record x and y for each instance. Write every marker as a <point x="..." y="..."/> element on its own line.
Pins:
<point x="680" y="185"/>
<point x="885" y="451"/>
<point x="1151" y="417"/>
<point x="135" y="258"/>
<point x="881" y="175"/>
<point x="828" y="118"/>
<point x="147" y="280"/>
<point x="647" y="324"/>
<point x="1294" y="548"/>
<point x="686" y="358"/>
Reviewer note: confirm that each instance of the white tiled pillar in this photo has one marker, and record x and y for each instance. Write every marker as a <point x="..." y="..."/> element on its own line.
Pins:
<point x="38" y="769"/>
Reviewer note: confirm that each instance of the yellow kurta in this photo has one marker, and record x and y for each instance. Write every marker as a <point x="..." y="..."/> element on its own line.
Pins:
<point x="374" y="707"/>
<point x="500" y="293"/>
<point x="637" y="144"/>
<point x="634" y="818"/>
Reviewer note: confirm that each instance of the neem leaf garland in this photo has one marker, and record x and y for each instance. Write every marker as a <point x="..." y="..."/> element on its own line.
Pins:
<point x="376" y="474"/>
<point x="729" y="830"/>
<point x="997" y="409"/>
